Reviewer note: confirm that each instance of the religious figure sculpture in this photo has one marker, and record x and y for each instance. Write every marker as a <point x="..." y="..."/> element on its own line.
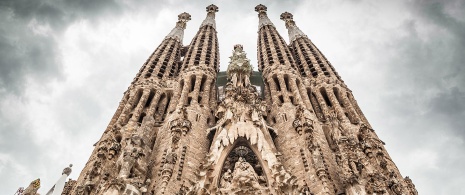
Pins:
<point x="244" y="179"/>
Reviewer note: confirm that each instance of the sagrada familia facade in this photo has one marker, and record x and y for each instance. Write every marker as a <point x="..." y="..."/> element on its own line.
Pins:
<point x="293" y="127"/>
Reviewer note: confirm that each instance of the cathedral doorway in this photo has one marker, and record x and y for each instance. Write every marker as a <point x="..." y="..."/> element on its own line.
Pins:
<point x="242" y="164"/>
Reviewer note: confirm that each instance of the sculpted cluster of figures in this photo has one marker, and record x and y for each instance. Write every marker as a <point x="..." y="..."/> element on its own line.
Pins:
<point x="244" y="180"/>
<point x="241" y="119"/>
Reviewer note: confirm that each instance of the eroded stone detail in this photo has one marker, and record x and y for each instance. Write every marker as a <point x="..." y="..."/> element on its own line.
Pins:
<point x="171" y="134"/>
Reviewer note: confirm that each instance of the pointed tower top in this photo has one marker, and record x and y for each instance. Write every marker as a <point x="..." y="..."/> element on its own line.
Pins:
<point x="263" y="18"/>
<point x="178" y="31"/>
<point x="260" y="8"/>
<point x="184" y="17"/>
<point x="287" y="17"/>
<point x="210" y="19"/>
<point x="212" y="8"/>
<point x="293" y="30"/>
<point x="239" y="68"/>
<point x="67" y="170"/>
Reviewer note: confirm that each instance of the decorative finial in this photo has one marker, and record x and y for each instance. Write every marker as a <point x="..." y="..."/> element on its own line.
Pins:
<point x="210" y="19"/>
<point x="178" y="31"/>
<point x="238" y="46"/>
<point x="260" y="8"/>
<point x="263" y="19"/>
<point x="286" y="16"/>
<point x="293" y="30"/>
<point x="184" y="17"/>
<point x="212" y="8"/>
<point x="239" y="69"/>
<point x="67" y="170"/>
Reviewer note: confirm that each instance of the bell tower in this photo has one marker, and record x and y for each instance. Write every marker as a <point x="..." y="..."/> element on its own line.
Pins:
<point x="185" y="128"/>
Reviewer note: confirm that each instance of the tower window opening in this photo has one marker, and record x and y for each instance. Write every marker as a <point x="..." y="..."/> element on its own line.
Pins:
<point x="189" y="100"/>
<point x="141" y="118"/>
<point x="168" y="101"/>
<point x="149" y="99"/>
<point x="315" y="105"/>
<point x="192" y="83"/>
<point x="292" y="100"/>
<point x="202" y="83"/>
<point x="137" y="99"/>
<point x="158" y="105"/>
<point x="338" y="97"/>
<point x="325" y="97"/>
<point x="276" y="82"/>
<point x="281" y="99"/>
<point x="286" y="82"/>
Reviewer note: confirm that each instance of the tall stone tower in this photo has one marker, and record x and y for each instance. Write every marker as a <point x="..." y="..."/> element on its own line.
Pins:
<point x="294" y="127"/>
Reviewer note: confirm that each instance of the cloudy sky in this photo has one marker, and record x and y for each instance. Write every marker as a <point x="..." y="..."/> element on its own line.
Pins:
<point x="64" y="66"/>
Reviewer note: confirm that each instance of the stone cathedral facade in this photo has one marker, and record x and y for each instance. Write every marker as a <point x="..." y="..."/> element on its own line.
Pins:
<point x="293" y="127"/>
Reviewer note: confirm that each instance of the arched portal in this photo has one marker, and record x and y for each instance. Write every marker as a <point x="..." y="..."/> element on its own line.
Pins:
<point x="242" y="170"/>
<point x="242" y="150"/>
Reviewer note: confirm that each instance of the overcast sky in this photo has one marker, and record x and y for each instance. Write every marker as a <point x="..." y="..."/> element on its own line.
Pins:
<point x="64" y="66"/>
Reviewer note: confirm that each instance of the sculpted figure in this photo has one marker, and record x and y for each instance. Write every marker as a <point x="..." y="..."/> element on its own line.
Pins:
<point x="244" y="179"/>
<point x="394" y="184"/>
<point x="226" y="179"/>
<point x="130" y="159"/>
<point x="32" y="188"/>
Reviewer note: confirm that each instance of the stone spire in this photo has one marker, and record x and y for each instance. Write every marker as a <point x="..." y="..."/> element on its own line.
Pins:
<point x="309" y="59"/>
<point x="165" y="59"/>
<point x="293" y="30"/>
<point x="263" y="18"/>
<point x="239" y="69"/>
<point x="178" y="31"/>
<point x="57" y="189"/>
<point x="272" y="49"/>
<point x="210" y="19"/>
<point x="32" y="188"/>
<point x="203" y="50"/>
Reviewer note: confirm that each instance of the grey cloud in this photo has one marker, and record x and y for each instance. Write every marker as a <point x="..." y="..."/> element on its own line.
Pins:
<point x="26" y="54"/>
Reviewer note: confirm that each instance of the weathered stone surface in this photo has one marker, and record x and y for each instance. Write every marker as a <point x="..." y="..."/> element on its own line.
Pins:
<point x="172" y="134"/>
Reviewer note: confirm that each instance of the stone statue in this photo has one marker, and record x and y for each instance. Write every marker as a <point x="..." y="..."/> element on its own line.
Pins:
<point x="244" y="179"/>
<point x="130" y="161"/>
<point x="32" y="188"/>
<point x="226" y="179"/>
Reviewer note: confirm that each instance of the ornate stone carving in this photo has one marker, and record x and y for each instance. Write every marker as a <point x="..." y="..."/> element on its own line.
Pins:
<point x="376" y="184"/>
<point x="131" y="163"/>
<point x="410" y="186"/>
<point x="244" y="180"/>
<point x="179" y="126"/>
<point x="69" y="185"/>
<point x="32" y="188"/>
<point x="394" y="184"/>
<point x="167" y="170"/>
